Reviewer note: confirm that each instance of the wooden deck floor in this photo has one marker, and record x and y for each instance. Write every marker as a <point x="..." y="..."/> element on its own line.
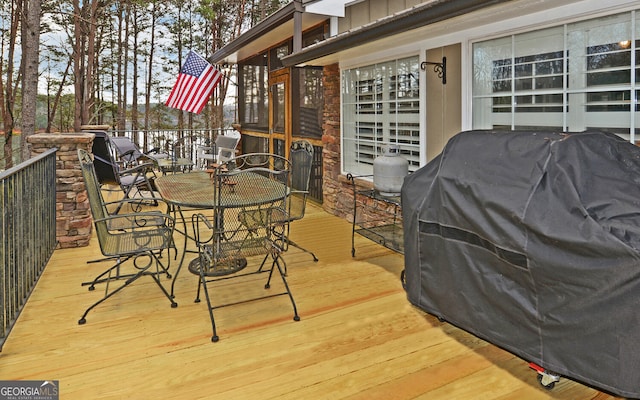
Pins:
<point x="358" y="338"/>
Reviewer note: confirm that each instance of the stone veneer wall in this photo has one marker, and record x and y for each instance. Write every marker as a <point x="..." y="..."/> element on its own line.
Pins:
<point x="331" y="141"/>
<point x="73" y="215"/>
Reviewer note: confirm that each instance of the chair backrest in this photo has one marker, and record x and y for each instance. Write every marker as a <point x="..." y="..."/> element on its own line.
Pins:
<point x="250" y="189"/>
<point x="201" y="151"/>
<point x="301" y="156"/>
<point x="226" y="147"/>
<point x="96" y="201"/>
<point x="106" y="169"/>
<point x="270" y="166"/>
<point x="125" y="149"/>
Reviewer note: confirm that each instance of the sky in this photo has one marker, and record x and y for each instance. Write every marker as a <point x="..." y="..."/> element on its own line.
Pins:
<point x="58" y="38"/>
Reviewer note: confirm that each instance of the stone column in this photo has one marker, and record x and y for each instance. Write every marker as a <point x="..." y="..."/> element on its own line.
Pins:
<point x="73" y="215"/>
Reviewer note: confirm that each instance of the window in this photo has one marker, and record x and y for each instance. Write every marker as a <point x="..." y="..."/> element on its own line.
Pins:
<point x="308" y="102"/>
<point x="380" y="106"/>
<point x="253" y="105"/>
<point x="315" y="35"/>
<point x="278" y="107"/>
<point x="276" y="54"/>
<point x="575" y="77"/>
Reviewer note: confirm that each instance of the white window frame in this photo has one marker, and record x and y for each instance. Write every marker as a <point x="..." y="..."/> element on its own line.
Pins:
<point x="606" y="106"/>
<point x="380" y="105"/>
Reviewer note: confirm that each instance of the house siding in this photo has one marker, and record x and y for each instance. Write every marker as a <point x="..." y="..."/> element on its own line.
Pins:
<point x="443" y="113"/>
<point x="371" y="10"/>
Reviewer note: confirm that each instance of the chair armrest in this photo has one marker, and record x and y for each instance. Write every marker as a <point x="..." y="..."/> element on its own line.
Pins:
<point x="127" y="153"/>
<point x="138" y="221"/>
<point x="134" y="200"/>
<point x="136" y="204"/>
<point x="196" y="221"/>
<point x="140" y="168"/>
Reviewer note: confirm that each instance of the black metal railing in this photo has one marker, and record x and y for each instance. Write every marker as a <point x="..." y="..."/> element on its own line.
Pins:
<point x="179" y="143"/>
<point x="28" y="223"/>
<point x="184" y="143"/>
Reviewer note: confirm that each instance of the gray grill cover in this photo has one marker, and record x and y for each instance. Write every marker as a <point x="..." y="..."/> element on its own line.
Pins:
<point x="532" y="242"/>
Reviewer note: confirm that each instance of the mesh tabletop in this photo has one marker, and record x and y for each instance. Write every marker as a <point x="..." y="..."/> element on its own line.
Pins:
<point x="197" y="190"/>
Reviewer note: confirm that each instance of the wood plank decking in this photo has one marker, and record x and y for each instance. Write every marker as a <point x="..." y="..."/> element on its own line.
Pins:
<point x="358" y="337"/>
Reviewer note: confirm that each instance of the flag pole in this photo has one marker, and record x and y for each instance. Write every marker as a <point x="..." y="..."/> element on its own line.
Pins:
<point x="227" y="78"/>
<point x="222" y="73"/>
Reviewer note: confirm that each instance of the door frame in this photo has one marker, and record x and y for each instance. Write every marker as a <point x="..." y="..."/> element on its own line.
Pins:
<point x="278" y="77"/>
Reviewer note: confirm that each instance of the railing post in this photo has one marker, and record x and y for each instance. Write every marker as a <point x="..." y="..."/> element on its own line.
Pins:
<point x="73" y="215"/>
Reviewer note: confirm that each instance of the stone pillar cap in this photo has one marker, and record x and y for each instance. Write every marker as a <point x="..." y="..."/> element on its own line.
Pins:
<point x="95" y="127"/>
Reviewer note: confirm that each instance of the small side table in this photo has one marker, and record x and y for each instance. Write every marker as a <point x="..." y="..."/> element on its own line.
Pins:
<point x="376" y="217"/>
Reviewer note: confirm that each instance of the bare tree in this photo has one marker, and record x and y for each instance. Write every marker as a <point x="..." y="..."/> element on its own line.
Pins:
<point x="84" y="59"/>
<point x="151" y="83"/>
<point x="123" y="62"/>
<point x="118" y="49"/>
<point x="176" y="26"/>
<point x="141" y="23"/>
<point x="52" y="105"/>
<point x="136" y="28"/>
<point x="30" y="61"/>
<point x="8" y="90"/>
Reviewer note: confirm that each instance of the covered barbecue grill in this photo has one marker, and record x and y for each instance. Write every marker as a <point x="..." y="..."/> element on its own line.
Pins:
<point x="531" y="241"/>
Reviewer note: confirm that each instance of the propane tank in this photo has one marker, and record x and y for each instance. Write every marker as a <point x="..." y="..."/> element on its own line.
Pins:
<point x="389" y="170"/>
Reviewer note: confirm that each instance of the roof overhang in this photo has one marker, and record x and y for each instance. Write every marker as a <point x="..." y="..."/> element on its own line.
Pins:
<point x="274" y="29"/>
<point x="427" y="20"/>
<point x="422" y="15"/>
<point x="431" y="19"/>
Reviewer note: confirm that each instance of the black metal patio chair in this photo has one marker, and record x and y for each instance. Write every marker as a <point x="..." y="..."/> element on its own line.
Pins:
<point x="139" y="237"/>
<point x="249" y="190"/>
<point x="301" y="156"/>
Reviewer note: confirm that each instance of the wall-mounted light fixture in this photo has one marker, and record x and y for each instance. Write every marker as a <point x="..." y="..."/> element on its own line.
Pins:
<point x="438" y="68"/>
<point x="625" y="44"/>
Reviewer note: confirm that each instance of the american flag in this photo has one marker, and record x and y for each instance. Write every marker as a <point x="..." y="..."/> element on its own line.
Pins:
<point x="195" y="83"/>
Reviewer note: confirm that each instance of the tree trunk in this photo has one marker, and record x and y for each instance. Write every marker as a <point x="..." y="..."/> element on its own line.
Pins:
<point x="122" y="106"/>
<point x="88" y="106"/>
<point x="30" y="60"/>
<point x="78" y="65"/>
<point x="147" y="95"/>
<point x="118" y="82"/>
<point x="56" y="100"/>
<point x="134" y="99"/>
<point x="8" y="92"/>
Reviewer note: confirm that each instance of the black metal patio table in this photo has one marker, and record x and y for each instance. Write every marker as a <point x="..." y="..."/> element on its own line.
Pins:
<point x="197" y="191"/>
